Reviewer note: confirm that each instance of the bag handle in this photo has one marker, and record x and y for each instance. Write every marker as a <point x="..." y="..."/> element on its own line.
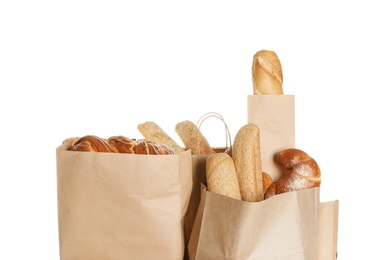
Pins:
<point x="217" y="115"/>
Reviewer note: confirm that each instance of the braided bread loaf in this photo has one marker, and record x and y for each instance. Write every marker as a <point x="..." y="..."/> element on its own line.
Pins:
<point x="303" y="172"/>
<point x="119" y="144"/>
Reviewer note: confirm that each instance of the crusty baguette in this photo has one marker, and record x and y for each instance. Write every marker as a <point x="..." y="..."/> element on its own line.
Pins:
<point x="221" y="175"/>
<point x="193" y="138"/>
<point x="246" y="154"/>
<point x="267" y="73"/>
<point x="152" y="131"/>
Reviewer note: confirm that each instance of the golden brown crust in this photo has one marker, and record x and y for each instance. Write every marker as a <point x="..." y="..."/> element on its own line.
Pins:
<point x="304" y="172"/>
<point x="118" y="144"/>
<point x="267" y="181"/>
<point x="92" y="143"/>
<point x="122" y="144"/>
<point x="267" y="73"/>
<point x="145" y="146"/>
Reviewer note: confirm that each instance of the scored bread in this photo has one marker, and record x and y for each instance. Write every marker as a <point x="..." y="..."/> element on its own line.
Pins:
<point x="267" y="73"/>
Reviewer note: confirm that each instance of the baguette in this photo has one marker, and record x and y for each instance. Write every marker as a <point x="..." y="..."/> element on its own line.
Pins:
<point x="247" y="158"/>
<point x="192" y="138"/>
<point x="221" y="175"/>
<point x="152" y="131"/>
<point x="267" y="73"/>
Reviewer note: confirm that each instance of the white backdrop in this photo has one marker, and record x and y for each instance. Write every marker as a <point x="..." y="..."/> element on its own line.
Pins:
<point x="71" y="68"/>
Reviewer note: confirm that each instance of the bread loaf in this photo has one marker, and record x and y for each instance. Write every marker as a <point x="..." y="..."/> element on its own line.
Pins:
<point x="118" y="144"/>
<point x="122" y="144"/>
<point x="152" y="131"/>
<point x="221" y="175"/>
<point x="92" y="143"/>
<point x="303" y="172"/>
<point x="246" y="154"/>
<point x="192" y="138"/>
<point x="267" y="73"/>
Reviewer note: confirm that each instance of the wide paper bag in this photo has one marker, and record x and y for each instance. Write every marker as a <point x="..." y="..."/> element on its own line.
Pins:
<point x="274" y="114"/>
<point x="282" y="227"/>
<point x="122" y="206"/>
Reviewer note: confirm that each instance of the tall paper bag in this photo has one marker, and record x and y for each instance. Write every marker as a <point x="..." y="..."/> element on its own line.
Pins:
<point x="274" y="114"/>
<point x="122" y="206"/>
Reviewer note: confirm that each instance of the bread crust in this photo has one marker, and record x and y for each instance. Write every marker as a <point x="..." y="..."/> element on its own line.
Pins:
<point x="267" y="73"/>
<point x="246" y="154"/>
<point x="152" y="131"/>
<point x="221" y="175"/>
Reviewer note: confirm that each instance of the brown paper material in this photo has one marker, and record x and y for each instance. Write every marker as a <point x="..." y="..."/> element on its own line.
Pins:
<point x="328" y="230"/>
<point x="122" y="206"/>
<point x="274" y="115"/>
<point x="282" y="227"/>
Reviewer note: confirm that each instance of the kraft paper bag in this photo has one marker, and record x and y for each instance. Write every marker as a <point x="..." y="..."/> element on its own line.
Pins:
<point x="328" y="230"/>
<point x="274" y="114"/>
<point x="122" y="206"/>
<point x="281" y="227"/>
<point x="199" y="177"/>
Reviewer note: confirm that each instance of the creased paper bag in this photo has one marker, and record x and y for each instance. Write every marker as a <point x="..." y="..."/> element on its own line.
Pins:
<point x="282" y="227"/>
<point x="199" y="162"/>
<point x="274" y="114"/>
<point x="122" y="206"/>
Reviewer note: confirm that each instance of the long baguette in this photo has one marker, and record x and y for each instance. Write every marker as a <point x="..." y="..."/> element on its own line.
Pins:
<point x="152" y="131"/>
<point x="221" y="175"/>
<point x="247" y="158"/>
<point x="192" y="138"/>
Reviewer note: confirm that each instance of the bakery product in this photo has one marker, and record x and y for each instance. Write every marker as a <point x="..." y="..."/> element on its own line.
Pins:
<point x="221" y="175"/>
<point x="145" y="146"/>
<point x="267" y="73"/>
<point x="92" y="143"/>
<point x="122" y="144"/>
<point x="246" y="154"/>
<point x="152" y="131"/>
<point x="192" y="138"/>
<point x="303" y="172"/>
<point x="118" y="144"/>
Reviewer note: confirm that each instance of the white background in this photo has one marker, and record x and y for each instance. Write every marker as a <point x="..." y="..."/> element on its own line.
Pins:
<point x="71" y="68"/>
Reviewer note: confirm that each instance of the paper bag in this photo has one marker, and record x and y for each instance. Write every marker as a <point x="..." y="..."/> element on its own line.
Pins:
<point x="282" y="227"/>
<point x="274" y="114"/>
<point x="122" y="206"/>
<point x="328" y="230"/>
<point x="199" y="177"/>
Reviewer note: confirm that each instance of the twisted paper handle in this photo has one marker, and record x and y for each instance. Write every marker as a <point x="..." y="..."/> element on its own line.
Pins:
<point x="228" y="136"/>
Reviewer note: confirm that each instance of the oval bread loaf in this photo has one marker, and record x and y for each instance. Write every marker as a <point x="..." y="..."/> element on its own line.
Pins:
<point x="246" y="154"/>
<point x="221" y="175"/>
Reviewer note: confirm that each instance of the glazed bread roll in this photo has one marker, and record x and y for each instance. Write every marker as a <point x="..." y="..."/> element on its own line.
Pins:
<point x="122" y="144"/>
<point x="246" y="154"/>
<point x="192" y="138"/>
<point x="144" y="146"/>
<point x="152" y="131"/>
<point x="92" y="143"/>
<point x="119" y="144"/>
<point x="303" y="172"/>
<point x="267" y="73"/>
<point x="221" y="175"/>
